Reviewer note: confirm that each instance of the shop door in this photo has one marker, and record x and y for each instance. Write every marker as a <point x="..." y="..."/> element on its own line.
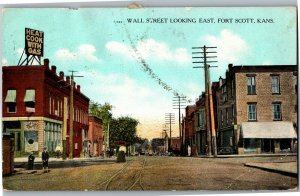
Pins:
<point x="267" y="146"/>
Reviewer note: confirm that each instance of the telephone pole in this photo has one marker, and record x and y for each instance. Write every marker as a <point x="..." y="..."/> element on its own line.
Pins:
<point x="210" y="128"/>
<point x="170" y="119"/>
<point x="71" y="113"/>
<point x="179" y="102"/>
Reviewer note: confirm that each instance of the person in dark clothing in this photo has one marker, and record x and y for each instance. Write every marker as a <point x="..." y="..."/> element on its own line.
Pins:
<point x="31" y="161"/>
<point x="45" y="158"/>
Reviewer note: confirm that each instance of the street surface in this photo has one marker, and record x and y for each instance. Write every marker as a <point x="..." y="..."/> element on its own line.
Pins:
<point x="153" y="173"/>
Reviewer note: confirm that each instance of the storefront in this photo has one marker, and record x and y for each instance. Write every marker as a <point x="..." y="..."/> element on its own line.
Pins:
<point x="267" y="137"/>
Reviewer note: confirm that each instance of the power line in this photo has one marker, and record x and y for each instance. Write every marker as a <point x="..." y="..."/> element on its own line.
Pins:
<point x="179" y="103"/>
<point x="71" y="113"/>
<point x="170" y="119"/>
<point x="210" y="127"/>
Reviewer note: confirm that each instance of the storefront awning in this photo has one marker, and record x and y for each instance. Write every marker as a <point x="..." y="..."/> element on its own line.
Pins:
<point x="30" y="95"/>
<point x="274" y="130"/>
<point x="11" y="96"/>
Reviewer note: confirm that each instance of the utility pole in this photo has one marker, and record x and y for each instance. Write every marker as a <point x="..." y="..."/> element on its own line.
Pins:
<point x="164" y="137"/>
<point x="64" y="135"/>
<point x="179" y="102"/>
<point x="170" y="119"/>
<point x="71" y="113"/>
<point x="210" y="128"/>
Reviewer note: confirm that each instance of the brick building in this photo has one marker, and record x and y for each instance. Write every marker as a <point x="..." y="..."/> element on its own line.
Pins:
<point x="200" y="125"/>
<point x="257" y="109"/>
<point x="33" y="108"/>
<point x="95" y="136"/>
<point x="200" y="119"/>
<point x="188" y="127"/>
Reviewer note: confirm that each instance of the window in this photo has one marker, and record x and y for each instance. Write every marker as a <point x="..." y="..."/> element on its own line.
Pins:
<point x="10" y="101"/>
<point x="50" y="104"/>
<point x="276" y="110"/>
<point x="221" y="117"/>
<point x="232" y="86"/>
<point x="252" y="111"/>
<point x="29" y="100"/>
<point x="227" y="116"/>
<point x="201" y="119"/>
<point x="251" y="85"/>
<point x="232" y="111"/>
<point x="275" y="85"/>
<point x="11" y="107"/>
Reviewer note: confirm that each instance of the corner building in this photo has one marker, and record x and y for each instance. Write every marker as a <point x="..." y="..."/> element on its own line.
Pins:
<point x="257" y="109"/>
<point x="33" y="109"/>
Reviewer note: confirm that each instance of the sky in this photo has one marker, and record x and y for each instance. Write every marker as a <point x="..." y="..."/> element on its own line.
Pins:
<point x="115" y="56"/>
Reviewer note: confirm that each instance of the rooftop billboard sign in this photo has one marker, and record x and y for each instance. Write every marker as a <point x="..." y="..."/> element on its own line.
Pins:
<point x="34" y="42"/>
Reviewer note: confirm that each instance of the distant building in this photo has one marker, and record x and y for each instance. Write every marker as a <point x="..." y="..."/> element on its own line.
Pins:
<point x="189" y="132"/>
<point x="257" y="109"/>
<point x="158" y="145"/>
<point x="200" y="120"/>
<point x="95" y="137"/>
<point x="33" y="108"/>
<point x="200" y="125"/>
<point x="175" y="145"/>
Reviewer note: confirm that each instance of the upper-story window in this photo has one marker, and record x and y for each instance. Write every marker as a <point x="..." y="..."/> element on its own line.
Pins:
<point x="251" y="85"/>
<point x="10" y="101"/>
<point x="275" y="84"/>
<point x="232" y="87"/>
<point x="252" y="111"/>
<point x="29" y="100"/>
<point x="201" y="119"/>
<point x="276" y="110"/>
<point x="227" y="116"/>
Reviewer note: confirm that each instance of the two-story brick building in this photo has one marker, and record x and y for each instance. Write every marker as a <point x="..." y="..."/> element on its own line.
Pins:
<point x="95" y="137"/>
<point x="33" y="108"/>
<point x="257" y="109"/>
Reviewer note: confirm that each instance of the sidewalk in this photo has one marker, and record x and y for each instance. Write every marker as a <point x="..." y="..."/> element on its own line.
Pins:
<point x="54" y="159"/>
<point x="249" y="155"/>
<point x="287" y="168"/>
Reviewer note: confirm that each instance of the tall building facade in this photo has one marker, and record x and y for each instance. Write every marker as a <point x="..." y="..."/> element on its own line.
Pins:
<point x="257" y="109"/>
<point x="34" y="107"/>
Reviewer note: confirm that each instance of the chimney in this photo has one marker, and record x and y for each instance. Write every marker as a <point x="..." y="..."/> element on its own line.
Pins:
<point x="220" y="80"/>
<point x="46" y="62"/>
<point x="68" y="79"/>
<point x="78" y="88"/>
<point x="53" y="69"/>
<point x="61" y="75"/>
<point x="230" y="66"/>
<point x="74" y="83"/>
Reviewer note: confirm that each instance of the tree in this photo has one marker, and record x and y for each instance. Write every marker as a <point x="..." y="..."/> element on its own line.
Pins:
<point x="103" y="112"/>
<point x="123" y="129"/>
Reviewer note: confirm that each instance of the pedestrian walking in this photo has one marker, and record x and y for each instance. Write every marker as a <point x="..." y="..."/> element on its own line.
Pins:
<point x="189" y="150"/>
<point x="45" y="158"/>
<point x="31" y="161"/>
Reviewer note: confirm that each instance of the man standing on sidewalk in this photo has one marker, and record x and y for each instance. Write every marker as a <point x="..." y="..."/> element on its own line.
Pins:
<point x="45" y="158"/>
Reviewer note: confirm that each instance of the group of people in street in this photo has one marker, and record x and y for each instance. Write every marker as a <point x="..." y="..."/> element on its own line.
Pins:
<point x="45" y="159"/>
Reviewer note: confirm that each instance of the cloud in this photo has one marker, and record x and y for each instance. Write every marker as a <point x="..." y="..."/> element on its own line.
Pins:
<point x="231" y="48"/>
<point x="267" y="62"/>
<point x="4" y="62"/>
<point x="150" y="49"/>
<point x="84" y="51"/>
<point x="128" y="96"/>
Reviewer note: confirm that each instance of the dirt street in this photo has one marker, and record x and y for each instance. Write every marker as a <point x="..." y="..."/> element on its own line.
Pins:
<point x="154" y="173"/>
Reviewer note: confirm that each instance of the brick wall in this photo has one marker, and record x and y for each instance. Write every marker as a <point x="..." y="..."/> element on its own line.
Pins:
<point x="264" y="97"/>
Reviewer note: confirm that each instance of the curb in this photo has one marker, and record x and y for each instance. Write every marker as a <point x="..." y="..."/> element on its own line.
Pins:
<point x="286" y="173"/>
